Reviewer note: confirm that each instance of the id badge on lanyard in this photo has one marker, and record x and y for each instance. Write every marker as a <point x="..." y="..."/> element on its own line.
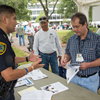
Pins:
<point x="79" y="58"/>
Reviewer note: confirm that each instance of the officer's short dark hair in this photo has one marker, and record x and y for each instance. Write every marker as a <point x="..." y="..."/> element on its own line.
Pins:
<point x="81" y="16"/>
<point x="6" y="9"/>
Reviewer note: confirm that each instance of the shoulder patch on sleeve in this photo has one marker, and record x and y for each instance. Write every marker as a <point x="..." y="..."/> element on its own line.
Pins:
<point x="3" y="48"/>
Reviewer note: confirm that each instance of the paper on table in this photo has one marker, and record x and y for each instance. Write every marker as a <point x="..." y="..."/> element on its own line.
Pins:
<point x="71" y="71"/>
<point x="28" y="89"/>
<point x="20" y="83"/>
<point x="36" y="95"/>
<point x="37" y="74"/>
<point x="55" y="87"/>
<point x="26" y="76"/>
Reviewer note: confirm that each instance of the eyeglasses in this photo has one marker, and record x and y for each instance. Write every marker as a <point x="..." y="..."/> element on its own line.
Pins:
<point x="44" y="18"/>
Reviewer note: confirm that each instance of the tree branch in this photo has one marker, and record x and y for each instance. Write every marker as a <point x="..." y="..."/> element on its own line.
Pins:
<point x="47" y="8"/>
<point x="53" y="8"/>
<point x="42" y="5"/>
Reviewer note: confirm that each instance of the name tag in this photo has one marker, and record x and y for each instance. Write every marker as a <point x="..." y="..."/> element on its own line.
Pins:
<point x="79" y="58"/>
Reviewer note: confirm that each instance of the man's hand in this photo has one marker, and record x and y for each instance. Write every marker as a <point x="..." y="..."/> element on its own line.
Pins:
<point x="37" y="64"/>
<point x="84" y="65"/>
<point x="63" y="62"/>
<point x="59" y="57"/>
<point x="33" y="57"/>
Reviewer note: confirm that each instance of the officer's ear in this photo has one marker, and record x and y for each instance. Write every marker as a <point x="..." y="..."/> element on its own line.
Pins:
<point x="4" y="19"/>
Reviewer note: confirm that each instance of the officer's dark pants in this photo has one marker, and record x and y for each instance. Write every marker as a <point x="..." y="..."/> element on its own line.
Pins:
<point x="10" y="96"/>
<point x="31" y="41"/>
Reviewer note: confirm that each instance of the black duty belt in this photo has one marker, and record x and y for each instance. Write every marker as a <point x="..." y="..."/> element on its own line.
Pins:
<point x="5" y="87"/>
<point x="86" y="76"/>
<point x="48" y="53"/>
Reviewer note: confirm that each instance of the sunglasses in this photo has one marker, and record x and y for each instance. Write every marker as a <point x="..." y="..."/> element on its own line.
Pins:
<point x="44" y="18"/>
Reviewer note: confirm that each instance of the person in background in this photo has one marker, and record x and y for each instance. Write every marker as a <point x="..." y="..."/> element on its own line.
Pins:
<point x="98" y="31"/>
<point x="8" y="59"/>
<point x="30" y="32"/>
<point x="83" y="48"/>
<point x="20" y="31"/>
<point x="46" y="43"/>
<point x="10" y="37"/>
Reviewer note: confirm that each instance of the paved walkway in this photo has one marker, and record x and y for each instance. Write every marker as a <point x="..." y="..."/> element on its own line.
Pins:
<point x="24" y="48"/>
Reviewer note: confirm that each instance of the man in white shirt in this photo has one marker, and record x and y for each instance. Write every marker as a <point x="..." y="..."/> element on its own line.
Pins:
<point x="46" y="43"/>
<point x="30" y="32"/>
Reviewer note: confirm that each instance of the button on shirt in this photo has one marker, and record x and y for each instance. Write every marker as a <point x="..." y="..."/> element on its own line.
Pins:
<point x="90" y="50"/>
<point x="47" y="42"/>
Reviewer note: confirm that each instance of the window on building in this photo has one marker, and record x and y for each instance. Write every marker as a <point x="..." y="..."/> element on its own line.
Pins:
<point x="51" y="6"/>
<point x="29" y="6"/>
<point x="54" y="16"/>
<point x="62" y="16"/>
<point x="50" y="17"/>
<point x="34" y="18"/>
<point x="38" y="12"/>
<point x="39" y="6"/>
<point x="58" y="16"/>
<point x="34" y="6"/>
<point x="34" y="12"/>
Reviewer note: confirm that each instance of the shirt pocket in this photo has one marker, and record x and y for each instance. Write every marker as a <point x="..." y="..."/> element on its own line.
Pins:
<point x="90" y="53"/>
<point x="51" y="39"/>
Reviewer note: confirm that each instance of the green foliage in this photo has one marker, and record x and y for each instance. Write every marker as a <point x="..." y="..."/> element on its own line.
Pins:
<point x="67" y="36"/>
<point x="90" y="26"/>
<point x="93" y="29"/>
<point x="41" y="14"/>
<point x="22" y="13"/>
<point x="62" y="33"/>
<point x="90" y="13"/>
<point x="67" y="7"/>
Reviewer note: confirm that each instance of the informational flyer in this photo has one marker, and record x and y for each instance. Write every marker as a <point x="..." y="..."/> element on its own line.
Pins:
<point x="72" y="70"/>
<point x="55" y="87"/>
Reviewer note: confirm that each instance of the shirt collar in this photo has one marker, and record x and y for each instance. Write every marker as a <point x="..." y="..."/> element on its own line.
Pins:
<point x="88" y="36"/>
<point x="3" y="33"/>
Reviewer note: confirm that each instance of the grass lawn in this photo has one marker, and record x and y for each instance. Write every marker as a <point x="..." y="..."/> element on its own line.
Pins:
<point x="62" y="33"/>
<point x="20" y="53"/>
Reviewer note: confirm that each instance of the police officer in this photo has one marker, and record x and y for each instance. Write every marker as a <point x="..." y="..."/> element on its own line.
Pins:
<point x="8" y="73"/>
<point x="30" y="32"/>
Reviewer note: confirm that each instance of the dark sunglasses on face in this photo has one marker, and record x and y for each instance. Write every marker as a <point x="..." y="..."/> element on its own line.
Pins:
<point x="44" y="18"/>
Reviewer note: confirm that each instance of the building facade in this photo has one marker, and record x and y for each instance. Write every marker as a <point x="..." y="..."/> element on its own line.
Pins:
<point x="37" y="8"/>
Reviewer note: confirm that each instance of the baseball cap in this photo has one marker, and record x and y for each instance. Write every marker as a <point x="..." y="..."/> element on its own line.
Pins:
<point x="43" y="19"/>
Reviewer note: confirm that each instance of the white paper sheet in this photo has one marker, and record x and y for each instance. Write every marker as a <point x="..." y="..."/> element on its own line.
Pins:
<point x="25" y="81"/>
<point x="55" y="87"/>
<point x="36" y="95"/>
<point x="20" y="83"/>
<point x="72" y="70"/>
<point x="37" y="74"/>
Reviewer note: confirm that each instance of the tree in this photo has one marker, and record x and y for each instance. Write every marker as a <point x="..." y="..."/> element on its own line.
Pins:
<point x="41" y="14"/>
<point x="22" y="13"/>
<point x="67" y="8"/>
<point x="45" y="5"/>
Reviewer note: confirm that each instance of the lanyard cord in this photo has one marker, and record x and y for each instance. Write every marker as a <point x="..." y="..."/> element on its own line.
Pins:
<point x="81" y="47"/>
